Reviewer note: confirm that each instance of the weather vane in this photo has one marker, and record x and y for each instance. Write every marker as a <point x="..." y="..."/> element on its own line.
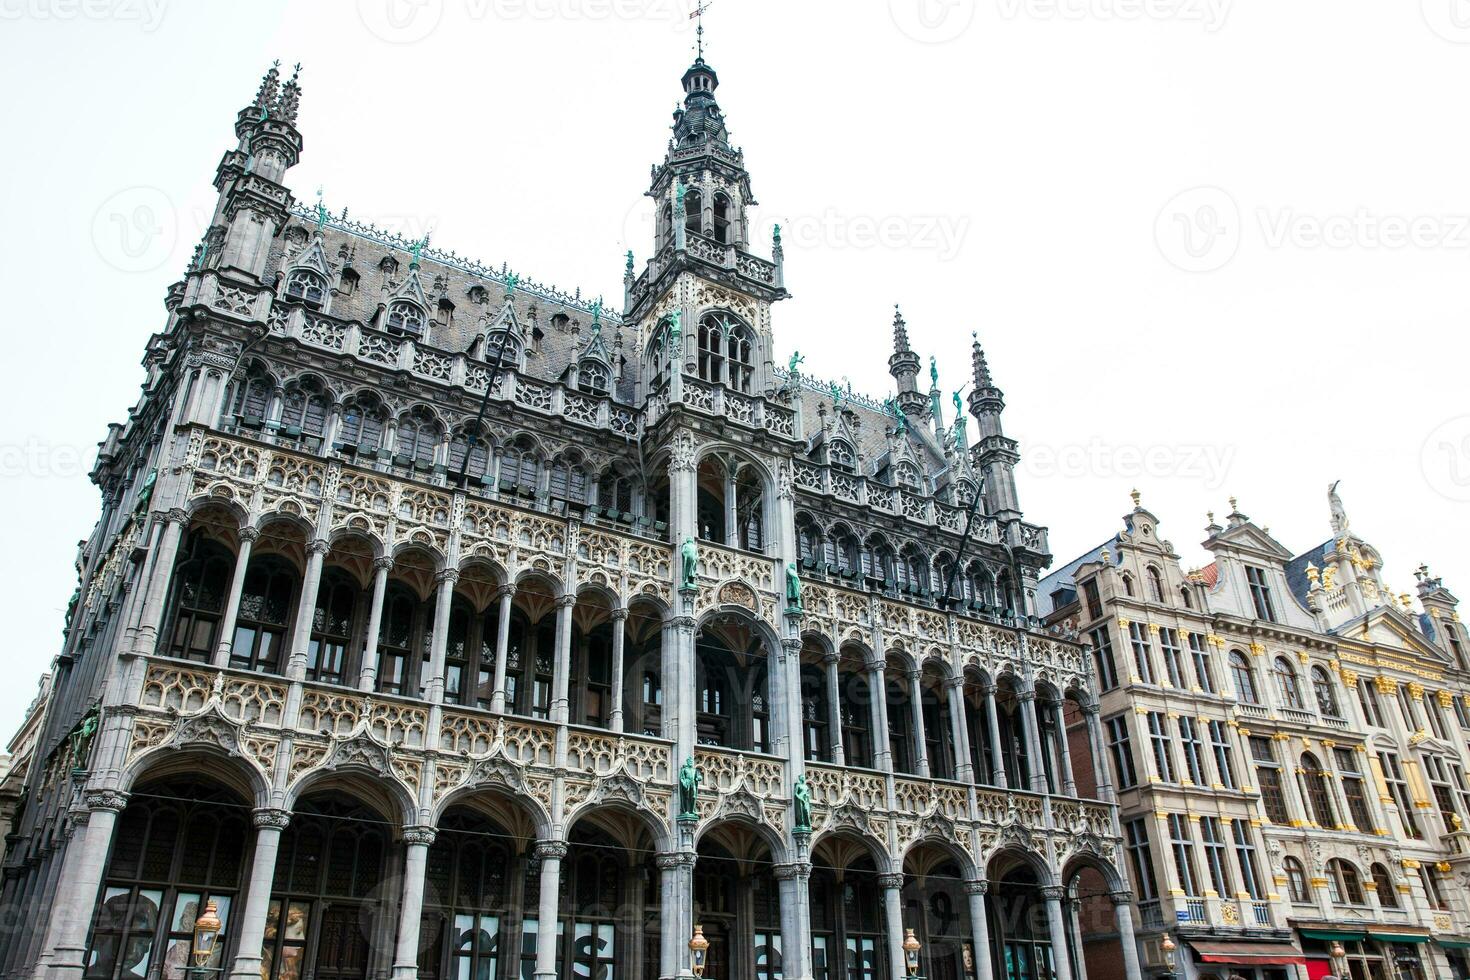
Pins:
<point x="700" y="7"/>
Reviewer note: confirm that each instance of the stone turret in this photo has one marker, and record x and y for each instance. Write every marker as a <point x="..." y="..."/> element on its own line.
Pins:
<point x="993" y="454"/>
<point x="903" y="364"/>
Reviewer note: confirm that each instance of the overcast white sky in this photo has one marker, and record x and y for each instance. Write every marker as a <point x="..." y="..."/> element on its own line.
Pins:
<point x="1212" y="248"/>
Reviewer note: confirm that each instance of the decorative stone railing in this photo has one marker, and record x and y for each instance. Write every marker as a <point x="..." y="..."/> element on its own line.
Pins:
<point x="750" y="411"/>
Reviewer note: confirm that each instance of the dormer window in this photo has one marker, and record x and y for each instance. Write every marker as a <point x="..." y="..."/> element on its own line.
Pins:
<point x="389" y="266"/>
<point x="841" y="457"/>
<point x="445" y="314"/>
<point x="593" y="378"/>
<point x="560" y="322"/>
<point x="478" y="295"/>
<point x="906" y="475"/>
<point x="307" y="286"/>
<point x="493" y="344"/>
<point x="1260" y="588"/>
<point x="405" y="317"/>
<point x="348" y="284"/>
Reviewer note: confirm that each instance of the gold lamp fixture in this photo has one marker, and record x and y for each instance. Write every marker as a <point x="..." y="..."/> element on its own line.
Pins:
<point x="206" y="933"/>
<point x="911" y="949"/>
<point x="698" y="950"/>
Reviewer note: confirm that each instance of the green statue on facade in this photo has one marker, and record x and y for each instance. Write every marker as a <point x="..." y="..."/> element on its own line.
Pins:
<point x="689" y="556"/>
<point x="81" y="739"/>
<point x="793" y="366"/>
<point x="933" y="372"/>
<point x="689" y="779"/>
<point x="801" y="801"/>
<point x="676" y="329"/>
<point x="793" y="588"/>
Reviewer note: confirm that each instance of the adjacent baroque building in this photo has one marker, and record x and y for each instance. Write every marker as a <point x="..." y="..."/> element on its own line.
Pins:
<point x="439" y="623"/>
<point x="1288" y="741"/>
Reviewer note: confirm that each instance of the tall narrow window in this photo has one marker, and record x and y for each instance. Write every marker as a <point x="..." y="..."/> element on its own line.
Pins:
<point x="1158" y="733"/>
<point x="1194" y="751"/>
<point x="1260" y="589"/>
<point x="1387" y="891"/>
<point x="1142" y="656"/>
<point x="1288" y="689"/>
<point x="1244" y="676"/>
<point x="265" y="612"/>
<point x="1296" y="881"/>
<point x="1141" y="860"/>
<point x="1325" y="693"/>
<point x="1181" y="841"/>
<point x="1245" y="853"/>
<point x="1318" y="796"/>
<point x="1399" y="790"/>
<point x="1343" y="884"/>
<point x="1173" y="656"/>
<point x="1204" y="668"/>
<point x="1268" y="779"/>
<point x="1368" y="701"/>
<point x="1213" y="839"/>
<point x="1224" y="755"/>
<point x="1102" y="652"/>
<point x="1350" y="776"/>
<point x="1121" y="750"/>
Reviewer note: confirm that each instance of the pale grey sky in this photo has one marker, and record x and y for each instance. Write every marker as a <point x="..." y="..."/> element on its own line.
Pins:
<point x="1211" y="247"/>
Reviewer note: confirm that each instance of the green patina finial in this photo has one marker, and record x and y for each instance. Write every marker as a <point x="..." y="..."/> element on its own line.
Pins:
<point x="417" y="250"/>
<point x="630" y="262"/>
<point x="321" y="212"/>
<point x="776" y="236"/>
<point x="597" y="316"/>
<point x="511" y="281"/>
<point x="933" y="372"/>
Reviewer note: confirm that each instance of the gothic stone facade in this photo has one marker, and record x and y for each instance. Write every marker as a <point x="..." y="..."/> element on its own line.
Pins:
<point x="439" y="623"/>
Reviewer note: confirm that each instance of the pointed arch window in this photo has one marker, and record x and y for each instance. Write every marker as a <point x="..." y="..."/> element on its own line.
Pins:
<point x="396" y="639"/>
<point x="201" y="582"/>
<point x="519" y="467"/>
<point x="252" y="397"/>
<point x="418" y="439"/>
<point x="726" y="351"/>
<point x="265" y="613"/>
<point x="616" y="492"/>
<point x="722" y="215"/>
<point x="363" y="422"/>
<point x="693" y="212"/>
<point x="406" y="318"/>
<point x="808" y="541"/>
<point x="1155" y="585"/>
<point x="661" y="355"/>
<point x="840" y="456"/>
<point x="307" y="286"/>
<point x="841" y="552"/>
<point x="569" y="479"/>
<point x="593" y="378"/>
<point x="469" y="452"/>
<point x="906" y="475"/>
<point x="332" y="627"/>
<point x="877" y="561"/>
<point x="305" y="408"/>
<point x="913" y="570"/>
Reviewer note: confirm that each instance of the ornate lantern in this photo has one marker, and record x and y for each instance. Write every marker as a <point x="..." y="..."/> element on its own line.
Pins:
<point x="698" y="948"/>
<point x="911" y="952"/>
<point x="206" y="932"/>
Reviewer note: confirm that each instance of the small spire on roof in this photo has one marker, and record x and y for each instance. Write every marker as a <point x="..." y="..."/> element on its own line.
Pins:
<point x="1137" y="497"/>
<point x="900" y="332"/>
<point x="979" y="366"/>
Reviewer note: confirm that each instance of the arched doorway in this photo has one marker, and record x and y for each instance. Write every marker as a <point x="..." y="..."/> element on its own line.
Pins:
<point x="180" y="843"/>
<point x="936" y="907"/>
<point x="608" y="920"/>
<point x="737" y="904"/>
<point x="849" y="935"/>
<point x="1020" y="936"/>
<point x="327" y="916"/>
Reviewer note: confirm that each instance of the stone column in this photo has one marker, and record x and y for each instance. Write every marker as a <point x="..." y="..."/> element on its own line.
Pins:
<point x="1100" y="771"/>
<point x="71" y="913"/>
<point x="248" y="535"/>
<point x="316" y="551"/>
<point x="1030" y="725"/>
<point x="732" y="533"/>
<point x="506" y="594"/>
<point x="834" y="707"/>
<point x="368" y="675"/>
<point x="1057" y="927"/>
<point x="249" y="925"/>
<point x="997" y="752"/>
<point x="433" y="685"/>
<point x="411" y="904"/>
<point x="980" y="928"/>
<point x="796" y="927"/>
<point x="892" y="885"/>
<point x="1074" y="926"/>
<point x="916" y="708"/>
<point x="675" y="912"/>
<point x="550" y="852"/>
<point x="878" y="692"/>
<point x="964" y="769"/>
<point x="158" y="581"/>
<point x="619" y="638"/>
<point x="1068" y="779"/>
<point x="561" y="680"/>
<point x="1123" y="915"/>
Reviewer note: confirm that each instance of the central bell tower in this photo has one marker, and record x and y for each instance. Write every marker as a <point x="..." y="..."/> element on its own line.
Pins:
<point x="703" y="300"/>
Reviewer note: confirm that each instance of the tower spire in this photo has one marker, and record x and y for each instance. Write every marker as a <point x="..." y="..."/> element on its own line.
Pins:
<point x="903" y="364"/>
<point x="698" y="17"/>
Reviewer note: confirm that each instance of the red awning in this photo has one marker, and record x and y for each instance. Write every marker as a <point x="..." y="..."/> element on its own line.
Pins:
<point x="1248" y="953"/>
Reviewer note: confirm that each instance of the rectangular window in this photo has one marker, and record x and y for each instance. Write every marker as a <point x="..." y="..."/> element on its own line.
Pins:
<point x="1410" y="713"/>
<point x="1268" y="779"/>
<point x="1260" y="593"/>
<point x="1141" y="859"/>
<point x="1461" y="714"/>
<point x="1215" y="859"/>
<point x="1435" y="711"/>
<point x="1194" y="751"/>
<point x="1224" y="755"/>
<point x="1399" y="790"/>
<point x="1102" y="651"/>
<point x="1432" y="887"/>
<point x="1142" y="658"/>
<point x="1094" y="601"/>
<point x="1444" y="797"/>
<point x="1158" y="733"/>
<point x="1121" y="750"/>
<point x="1368" y="700"/>
<point x="1204" y="668"/>
<point x="1181" y="842"/>
<point x="1245" y="854"/>
<point x="1462" y="791"/>
<point x="1353" y="789"/>
<point x="1173" y="657"/>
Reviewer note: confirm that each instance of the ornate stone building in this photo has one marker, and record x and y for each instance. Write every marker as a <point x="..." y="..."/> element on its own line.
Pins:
<point x="443" y="624"/>
<point x="1288" y="739"/>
